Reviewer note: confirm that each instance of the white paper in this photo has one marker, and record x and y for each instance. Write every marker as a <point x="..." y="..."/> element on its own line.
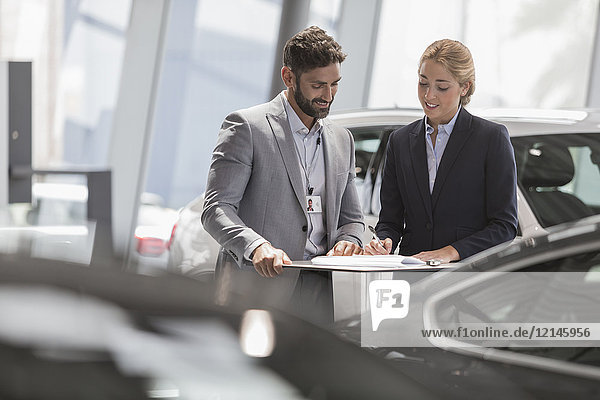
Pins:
<point x="390" y="260"/>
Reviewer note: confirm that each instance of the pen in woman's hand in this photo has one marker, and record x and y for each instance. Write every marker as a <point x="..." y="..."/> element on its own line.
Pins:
<point x="374" y="232"/>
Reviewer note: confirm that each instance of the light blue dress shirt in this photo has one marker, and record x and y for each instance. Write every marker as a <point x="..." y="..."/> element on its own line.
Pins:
<point x="434" y="155"/>
<point x="312" y="167"/>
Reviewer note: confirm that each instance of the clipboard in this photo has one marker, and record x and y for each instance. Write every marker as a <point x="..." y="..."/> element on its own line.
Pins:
<point x="367" y="268"/>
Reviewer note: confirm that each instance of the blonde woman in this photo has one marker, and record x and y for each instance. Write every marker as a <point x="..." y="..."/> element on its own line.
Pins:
<point x="449" y="182"/>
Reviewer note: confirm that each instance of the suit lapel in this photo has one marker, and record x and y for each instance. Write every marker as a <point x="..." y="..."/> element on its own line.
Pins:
<point x="331" y="169"/>
<point x="285" y="141"/>
<point x="419" y="161"/>
<point x="458" y="138"/>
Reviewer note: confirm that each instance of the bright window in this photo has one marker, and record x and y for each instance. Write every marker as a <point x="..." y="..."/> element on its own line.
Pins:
<point x="528" y="53"/>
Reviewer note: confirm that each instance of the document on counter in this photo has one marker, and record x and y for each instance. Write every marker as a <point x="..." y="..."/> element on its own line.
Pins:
<point x="366" y="263"/>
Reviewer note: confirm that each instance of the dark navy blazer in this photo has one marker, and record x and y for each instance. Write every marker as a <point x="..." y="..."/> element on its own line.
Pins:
<point x="474" y="201"/>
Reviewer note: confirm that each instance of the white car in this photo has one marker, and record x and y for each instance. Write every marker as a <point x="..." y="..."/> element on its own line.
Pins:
<point x="192" y="251"/>
<point x="558" y="167"/>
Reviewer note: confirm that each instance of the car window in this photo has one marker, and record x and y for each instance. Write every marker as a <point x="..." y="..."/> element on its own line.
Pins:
<point x="587" y="176"/>
<point x="559" y="175"/>
<point x="366" y="143"/>
<point x="370" y="143"/>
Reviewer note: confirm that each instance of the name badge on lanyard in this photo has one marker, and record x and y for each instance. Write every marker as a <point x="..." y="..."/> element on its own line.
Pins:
<point x="313" y="204"/>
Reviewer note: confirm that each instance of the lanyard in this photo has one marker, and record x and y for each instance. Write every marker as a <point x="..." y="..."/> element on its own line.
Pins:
<point x="309" y="167"/>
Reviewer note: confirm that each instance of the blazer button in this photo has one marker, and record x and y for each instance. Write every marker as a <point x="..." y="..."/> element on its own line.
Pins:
<point x="428" y="226"/>
<point x="304" y="228"/>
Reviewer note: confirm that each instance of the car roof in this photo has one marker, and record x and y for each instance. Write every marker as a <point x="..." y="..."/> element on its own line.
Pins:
<point x="519" y="122"/>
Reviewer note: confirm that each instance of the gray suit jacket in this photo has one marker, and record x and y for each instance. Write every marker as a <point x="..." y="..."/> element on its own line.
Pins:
<point x="255" y="190"/>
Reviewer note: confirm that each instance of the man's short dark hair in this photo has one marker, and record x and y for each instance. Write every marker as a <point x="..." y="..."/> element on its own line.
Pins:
<point x="311" y="48"/>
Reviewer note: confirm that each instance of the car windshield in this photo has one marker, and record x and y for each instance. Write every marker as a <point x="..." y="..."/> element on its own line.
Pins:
<point x="564" y="289"/>
<point x="559" y="175"/>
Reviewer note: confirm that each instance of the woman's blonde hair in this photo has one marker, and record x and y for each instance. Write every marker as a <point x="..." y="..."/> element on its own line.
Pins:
<point x="457" y="60"/>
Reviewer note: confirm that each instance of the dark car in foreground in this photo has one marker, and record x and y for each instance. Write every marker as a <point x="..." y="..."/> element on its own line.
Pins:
<point x="73" y="332"/>
<point x="547" y="286"/>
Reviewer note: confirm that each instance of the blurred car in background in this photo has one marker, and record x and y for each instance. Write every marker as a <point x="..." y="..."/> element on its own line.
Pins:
<point x="58" y="200"/>
<point x="70" y="241"/>
<point x="551" y="279"/>
<point x="192" y="251"/>
<point x="155" y="224"/>
<point x="59" y="206"/>
<point x="557" y="154"/>
<point x="54" y="225"/>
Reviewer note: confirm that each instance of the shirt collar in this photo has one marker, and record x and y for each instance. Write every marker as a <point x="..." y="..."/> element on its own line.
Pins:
<point x="296" y="124"/>
<point x="448" y="128"/>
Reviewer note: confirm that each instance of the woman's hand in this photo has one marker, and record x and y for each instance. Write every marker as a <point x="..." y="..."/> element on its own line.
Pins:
<point x="444" y="255"/>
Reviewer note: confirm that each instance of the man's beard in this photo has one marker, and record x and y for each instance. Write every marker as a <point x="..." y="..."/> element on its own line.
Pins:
<point x="307" y="106"/>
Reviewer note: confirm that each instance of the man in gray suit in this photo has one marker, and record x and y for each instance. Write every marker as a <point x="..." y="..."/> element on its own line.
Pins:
<point x="270" y="162"/>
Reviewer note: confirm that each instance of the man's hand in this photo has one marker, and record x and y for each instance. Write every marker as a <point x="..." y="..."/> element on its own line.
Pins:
<point x="268" y="260"/>
<point x="345" y="248"/>
<point x="374" y="248"/>
<point x="445" y="255"/>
